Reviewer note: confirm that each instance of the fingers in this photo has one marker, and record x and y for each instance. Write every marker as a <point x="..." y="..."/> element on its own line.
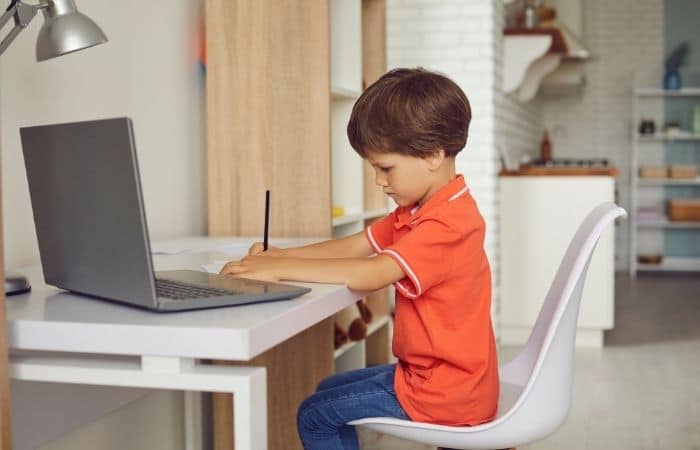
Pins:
<point x="233" y="268"/>
<point x="256" y="248"/>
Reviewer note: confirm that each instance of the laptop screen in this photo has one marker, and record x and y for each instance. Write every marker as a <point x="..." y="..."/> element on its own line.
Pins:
<point x="88" y="209"/>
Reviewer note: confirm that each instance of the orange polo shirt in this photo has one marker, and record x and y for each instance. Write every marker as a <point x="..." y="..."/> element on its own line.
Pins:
<point x="443" y="338"/>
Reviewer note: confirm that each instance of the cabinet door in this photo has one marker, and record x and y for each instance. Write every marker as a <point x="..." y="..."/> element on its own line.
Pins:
<point x="539" y="216"/>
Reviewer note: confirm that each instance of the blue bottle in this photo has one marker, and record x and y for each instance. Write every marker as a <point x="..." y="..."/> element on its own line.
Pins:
<point x="672" y="80"/>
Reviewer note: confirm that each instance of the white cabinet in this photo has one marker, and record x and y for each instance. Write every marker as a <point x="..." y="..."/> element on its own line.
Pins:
<point x="539" y="216"/>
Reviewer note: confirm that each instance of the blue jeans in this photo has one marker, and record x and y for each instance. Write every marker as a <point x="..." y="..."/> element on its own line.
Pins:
<point x="345" y="397"/>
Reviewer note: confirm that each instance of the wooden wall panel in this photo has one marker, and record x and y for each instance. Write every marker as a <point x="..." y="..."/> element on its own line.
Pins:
<point x="373" y="67"/>
<point x="268" y="109"/>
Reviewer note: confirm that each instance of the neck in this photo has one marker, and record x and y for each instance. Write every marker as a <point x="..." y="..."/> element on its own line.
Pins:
<point x="442" y="179"/>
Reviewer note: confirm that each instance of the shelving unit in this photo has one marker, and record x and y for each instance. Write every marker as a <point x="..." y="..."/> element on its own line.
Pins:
<point x="357" y="40"/>
<point x="645" y="147"/>
<point x="353" y="354"/>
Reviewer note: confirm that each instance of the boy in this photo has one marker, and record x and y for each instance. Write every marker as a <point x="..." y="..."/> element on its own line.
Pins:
<point x="409" y="125"/>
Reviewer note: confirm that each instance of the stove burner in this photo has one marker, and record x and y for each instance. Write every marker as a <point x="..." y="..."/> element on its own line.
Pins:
<point x="569" y="162"/>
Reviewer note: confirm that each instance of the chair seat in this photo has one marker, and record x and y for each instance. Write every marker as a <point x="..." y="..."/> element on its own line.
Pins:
<point x="509" y="395"/>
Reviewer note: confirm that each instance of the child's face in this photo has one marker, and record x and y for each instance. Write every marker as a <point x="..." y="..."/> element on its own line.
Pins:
<point x="406" y="179"/>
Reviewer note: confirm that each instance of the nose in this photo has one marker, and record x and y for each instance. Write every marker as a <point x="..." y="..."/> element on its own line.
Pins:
<point x="380" y="178"/>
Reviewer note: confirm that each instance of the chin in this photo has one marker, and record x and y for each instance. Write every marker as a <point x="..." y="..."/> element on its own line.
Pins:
<point x="402" y="202"/>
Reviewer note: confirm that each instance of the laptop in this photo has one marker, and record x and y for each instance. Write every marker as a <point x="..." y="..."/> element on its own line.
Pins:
<point x="90" y="223"/>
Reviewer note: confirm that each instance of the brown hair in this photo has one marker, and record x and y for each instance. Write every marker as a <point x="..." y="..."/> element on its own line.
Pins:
<point x="414" y="112"/>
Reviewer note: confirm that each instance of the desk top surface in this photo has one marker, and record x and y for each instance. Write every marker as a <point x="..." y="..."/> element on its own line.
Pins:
<point x="50" y="319"/>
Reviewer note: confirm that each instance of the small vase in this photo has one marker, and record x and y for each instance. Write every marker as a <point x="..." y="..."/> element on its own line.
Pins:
<point x="672" y="80"/>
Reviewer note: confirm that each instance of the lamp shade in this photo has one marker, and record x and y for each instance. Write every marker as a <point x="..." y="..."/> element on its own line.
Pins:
<point x="66" y="30"/>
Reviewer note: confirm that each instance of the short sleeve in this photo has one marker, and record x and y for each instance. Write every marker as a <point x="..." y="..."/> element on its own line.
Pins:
<point x="380" y="234"/>
<point x="425" y="255"/>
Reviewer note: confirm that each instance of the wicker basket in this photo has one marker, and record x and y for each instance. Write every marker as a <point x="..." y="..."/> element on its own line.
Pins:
<point x="684" y="210"/>
<point x="682" y="171"/>
<point x="653" y="172"/>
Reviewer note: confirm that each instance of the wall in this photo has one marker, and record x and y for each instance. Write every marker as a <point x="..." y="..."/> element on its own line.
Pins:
<point x="463" y="39"/>
<point x="147" y="71"/>
<point x="626" y="40"/>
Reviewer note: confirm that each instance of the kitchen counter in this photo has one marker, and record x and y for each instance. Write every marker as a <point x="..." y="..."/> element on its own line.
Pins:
<point x="562" y="171"/>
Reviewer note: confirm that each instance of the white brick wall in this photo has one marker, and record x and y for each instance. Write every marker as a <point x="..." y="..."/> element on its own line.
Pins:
<point x="519" y="126"/>
<point x="626" y="37"/>
<point x="463" y="39"/>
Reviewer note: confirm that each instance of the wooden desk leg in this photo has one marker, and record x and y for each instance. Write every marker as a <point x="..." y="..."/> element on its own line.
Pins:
<point x="294" y="369"/>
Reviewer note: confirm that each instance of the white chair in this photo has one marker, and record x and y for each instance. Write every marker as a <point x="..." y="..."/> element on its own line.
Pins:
<point x="535" y="393"/>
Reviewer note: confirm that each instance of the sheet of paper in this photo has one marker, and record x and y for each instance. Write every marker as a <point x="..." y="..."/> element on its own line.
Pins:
<point x="214" y="267"/>
<point x="229" y="249"/>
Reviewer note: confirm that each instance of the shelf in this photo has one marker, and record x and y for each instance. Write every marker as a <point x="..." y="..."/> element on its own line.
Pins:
<point x="667" y="224"/>
<point x="672" y="265"/>
<point x="653" y="92"/>
<point x="375" y="213"/>
<point x="692" y="137"/>
<point x="526" y="61"/>
<point x="669" y="182"/>
<point x="347" y="218"/>
<point x="359" y="217"/>
<point x="373" y="326"/>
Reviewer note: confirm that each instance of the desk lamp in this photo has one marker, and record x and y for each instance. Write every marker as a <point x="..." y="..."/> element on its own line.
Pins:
<point x="65" y="30"/>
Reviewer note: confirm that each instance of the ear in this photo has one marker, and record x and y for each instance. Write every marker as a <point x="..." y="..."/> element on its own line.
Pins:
<point x="435" y="160"/>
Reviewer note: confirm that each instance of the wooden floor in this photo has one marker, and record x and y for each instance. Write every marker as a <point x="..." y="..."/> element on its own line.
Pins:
<point x="642" y="391"/>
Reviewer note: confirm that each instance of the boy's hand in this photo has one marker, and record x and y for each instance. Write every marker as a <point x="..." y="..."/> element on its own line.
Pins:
<point x="253" y="267"/>
<point x="257" y="250"/>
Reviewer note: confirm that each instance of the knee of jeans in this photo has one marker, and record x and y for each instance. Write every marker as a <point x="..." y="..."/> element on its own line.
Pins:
<point x="312" y="416"/>
<point x="303" y="414"/>
<point x="324" y="384"/>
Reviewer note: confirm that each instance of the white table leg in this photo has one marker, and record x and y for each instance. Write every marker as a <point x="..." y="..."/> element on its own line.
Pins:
<point x="193" y="420"/>
<point x="250" y="417"/>
<point x="247" y="384"/>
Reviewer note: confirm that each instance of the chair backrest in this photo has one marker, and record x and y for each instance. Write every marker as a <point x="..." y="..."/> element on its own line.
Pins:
<point x="543" y="371"/>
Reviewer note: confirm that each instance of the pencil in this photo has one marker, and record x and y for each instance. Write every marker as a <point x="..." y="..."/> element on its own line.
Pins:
<point x="267" y="219"/>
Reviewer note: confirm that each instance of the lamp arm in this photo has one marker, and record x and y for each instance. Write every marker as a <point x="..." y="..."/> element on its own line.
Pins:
<point x="22" y="14"/>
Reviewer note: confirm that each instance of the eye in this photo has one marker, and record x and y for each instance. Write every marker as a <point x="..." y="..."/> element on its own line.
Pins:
<point x="385" y="169"/>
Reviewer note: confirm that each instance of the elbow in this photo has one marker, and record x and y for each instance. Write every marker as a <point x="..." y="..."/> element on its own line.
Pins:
<point x="359" y="286"/>
<point x="365" y="282"/>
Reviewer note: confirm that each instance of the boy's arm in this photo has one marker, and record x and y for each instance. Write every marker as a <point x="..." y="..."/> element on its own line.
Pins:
<point x="362" y="274"/>
<point x="353" y="246"/>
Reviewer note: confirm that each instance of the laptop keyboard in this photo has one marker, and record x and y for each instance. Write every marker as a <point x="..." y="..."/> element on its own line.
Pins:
<point x="182" y="291"/>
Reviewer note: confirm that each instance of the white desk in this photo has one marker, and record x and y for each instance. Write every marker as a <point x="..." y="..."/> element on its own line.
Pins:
<point x="110" y="344"/>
